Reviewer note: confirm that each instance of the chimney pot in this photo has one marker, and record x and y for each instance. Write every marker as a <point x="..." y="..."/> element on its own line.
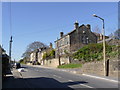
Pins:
<point x="51" y="45"/>
<point x="61" y="34"/>
<point x="88" y="26"/>
<point x="76" y="25"/>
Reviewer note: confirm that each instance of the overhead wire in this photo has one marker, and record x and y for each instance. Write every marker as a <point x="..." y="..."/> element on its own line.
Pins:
<point x="10" y="18"/>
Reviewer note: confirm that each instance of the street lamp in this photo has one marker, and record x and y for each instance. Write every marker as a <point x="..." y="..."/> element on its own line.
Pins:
<point x="103" y="31"/>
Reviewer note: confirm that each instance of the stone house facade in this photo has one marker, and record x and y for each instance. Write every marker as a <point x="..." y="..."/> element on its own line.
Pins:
<point x="37" y="55"/>
<point x="74" y="40"/>
<point x="100" y="36"/>
<point x="34" y="56"/>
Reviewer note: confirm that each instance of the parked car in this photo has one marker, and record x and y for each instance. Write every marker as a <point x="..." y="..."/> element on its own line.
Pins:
<point x="17" y="65"/>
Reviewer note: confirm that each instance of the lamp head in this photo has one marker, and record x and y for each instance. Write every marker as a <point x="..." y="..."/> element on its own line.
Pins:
<point x="94" y="15"/>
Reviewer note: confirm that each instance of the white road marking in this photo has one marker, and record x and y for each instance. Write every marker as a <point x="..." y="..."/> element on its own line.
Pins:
<point x="100" y="78"/>
<point x="54" y="75"/>
<point x="70" y="80"/>
<point x="82" y="84"/>
<point x="57" y="76"/>
<point x="86" y="86"/>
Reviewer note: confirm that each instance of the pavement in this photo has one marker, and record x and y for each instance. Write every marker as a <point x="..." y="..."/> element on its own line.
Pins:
<point x="13" y="79"/>
<point x="77" y="71"/>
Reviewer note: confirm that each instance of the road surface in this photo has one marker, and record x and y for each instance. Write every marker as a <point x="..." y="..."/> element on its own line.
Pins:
<point x="38" y="77"/>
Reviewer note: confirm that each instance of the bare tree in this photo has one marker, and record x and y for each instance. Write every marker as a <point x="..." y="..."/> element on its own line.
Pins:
<point x="117" y="34"/>
<point x="33" y="46"/>
<point x="97" y="30"/>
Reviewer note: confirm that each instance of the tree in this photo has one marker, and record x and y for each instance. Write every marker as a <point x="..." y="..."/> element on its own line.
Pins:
<point x="117" y="34"/>
<point x="111" y="35"/>
<point x="21" y="60"/>
<point x="33" y="46"/>
<point x="97" y="30"/>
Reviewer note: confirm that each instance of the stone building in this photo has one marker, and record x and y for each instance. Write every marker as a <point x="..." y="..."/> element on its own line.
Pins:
<point x="100" y="36"/>
<point x="2" y="51"/>
<point x="74" y="40"/>
<point x="37" y="55"/>
<point x="41" y="54"/>
<point x="34" y="56"/>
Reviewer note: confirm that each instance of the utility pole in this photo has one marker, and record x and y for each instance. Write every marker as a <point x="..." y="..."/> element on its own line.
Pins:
<point x="10" y="47"/>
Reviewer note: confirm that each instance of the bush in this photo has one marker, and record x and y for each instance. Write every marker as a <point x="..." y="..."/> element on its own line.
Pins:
<point x="50" y="54"/>
<point x="93" y="52"/>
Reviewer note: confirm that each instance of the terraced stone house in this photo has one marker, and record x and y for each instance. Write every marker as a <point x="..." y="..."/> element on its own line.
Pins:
<point x="74" y="40"/>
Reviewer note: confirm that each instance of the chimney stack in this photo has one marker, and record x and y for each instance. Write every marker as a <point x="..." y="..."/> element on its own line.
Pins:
<point x="51" y="45"/>
<point x="76" y="25"/>
<point x="88" y="26"/>
<point x="61" y="34"/>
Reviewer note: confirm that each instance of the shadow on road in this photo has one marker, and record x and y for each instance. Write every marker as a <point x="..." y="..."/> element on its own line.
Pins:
<point x="41" y="82"/>
<point x="44" y="82"/>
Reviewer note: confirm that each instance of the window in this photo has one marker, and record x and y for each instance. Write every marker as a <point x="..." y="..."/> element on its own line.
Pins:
<point x="85" y="39"/>
<point x="83" y="32"/>
<point x="60" y="43"/>
<point x="66" y="41"/>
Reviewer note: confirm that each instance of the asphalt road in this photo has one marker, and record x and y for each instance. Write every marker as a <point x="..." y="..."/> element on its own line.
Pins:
<point x="38" y="77"/>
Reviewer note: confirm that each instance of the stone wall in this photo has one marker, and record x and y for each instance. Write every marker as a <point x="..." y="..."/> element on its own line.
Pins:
<point x="114" y="68"/>
<point x="93" y="68"/>
<point x="98" y="68"/>
<point x="64" y="60"/>
<point x="55" y="62"/>
<point x="51" y="62"/>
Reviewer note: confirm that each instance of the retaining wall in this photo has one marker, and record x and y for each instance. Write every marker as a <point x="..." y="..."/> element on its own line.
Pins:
<point x="98" y="68"/>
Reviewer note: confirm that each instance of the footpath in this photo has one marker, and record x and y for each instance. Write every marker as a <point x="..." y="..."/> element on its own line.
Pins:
<point x="13" y="80"/>
<point x="78" y="72"/>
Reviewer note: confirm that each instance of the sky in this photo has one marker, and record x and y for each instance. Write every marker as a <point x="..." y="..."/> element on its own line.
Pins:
<point x="43" y="21"/>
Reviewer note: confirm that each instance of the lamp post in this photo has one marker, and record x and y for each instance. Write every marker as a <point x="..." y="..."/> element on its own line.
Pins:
<point x="103" y="31"/>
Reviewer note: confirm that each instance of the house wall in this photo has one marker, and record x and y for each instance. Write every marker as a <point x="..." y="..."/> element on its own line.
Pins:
<point x="51" y="62"/>
<point x="81" y="37"/>
<point x="32" y="56"/>
<point x="62" y="45"/>
<point x="75" y="40"/>
<point x="40" y="57"/>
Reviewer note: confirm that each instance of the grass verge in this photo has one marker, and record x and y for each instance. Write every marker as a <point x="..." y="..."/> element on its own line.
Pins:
<point x="70" y="66"/>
